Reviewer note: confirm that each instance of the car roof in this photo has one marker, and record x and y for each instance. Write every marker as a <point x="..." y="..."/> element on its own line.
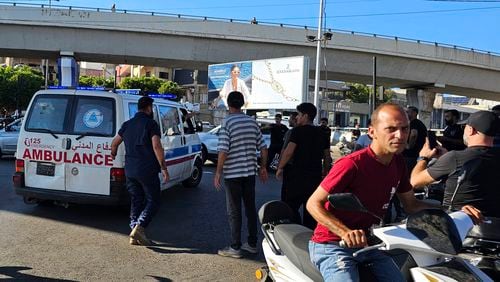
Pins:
<point x="102" y="93"/>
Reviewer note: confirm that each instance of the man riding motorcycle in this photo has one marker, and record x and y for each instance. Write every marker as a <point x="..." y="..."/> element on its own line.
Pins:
<point x="374" y="174"/>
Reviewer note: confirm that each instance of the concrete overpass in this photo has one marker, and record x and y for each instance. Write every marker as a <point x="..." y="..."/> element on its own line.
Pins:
<point x="122" y="37"/>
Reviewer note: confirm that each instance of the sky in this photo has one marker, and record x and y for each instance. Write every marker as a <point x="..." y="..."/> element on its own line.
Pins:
<point x="469" y="23"/>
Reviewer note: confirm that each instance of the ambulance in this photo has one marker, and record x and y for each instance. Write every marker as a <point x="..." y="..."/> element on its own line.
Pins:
<point x="64" y="147"/>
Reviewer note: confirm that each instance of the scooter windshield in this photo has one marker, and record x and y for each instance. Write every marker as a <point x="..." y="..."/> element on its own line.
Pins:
<point x="435" y="228"/>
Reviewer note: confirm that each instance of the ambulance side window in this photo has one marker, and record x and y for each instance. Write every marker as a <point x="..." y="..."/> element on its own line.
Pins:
<point x="169" y="117"/>
<point x="132" y="109"/>
<point x="156" y="116"/>
<point x="187" y="121"/>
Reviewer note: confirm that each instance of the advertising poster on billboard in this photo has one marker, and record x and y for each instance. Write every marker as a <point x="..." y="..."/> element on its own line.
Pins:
<point x="266" y="84"/>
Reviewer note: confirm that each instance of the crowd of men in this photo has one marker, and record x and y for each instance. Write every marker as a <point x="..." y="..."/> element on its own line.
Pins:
<point x="393" y="159"/>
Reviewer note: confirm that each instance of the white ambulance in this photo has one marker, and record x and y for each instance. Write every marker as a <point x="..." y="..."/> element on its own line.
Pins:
<point x="64" y="147"/>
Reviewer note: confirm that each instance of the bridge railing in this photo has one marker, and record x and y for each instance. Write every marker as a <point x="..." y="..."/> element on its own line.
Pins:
<point x="205" y="18"/>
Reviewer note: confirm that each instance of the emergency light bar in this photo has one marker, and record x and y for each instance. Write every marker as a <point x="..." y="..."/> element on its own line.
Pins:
<point x="152" y="95"/>
<point x="164" y="96"/>
<point x="78" y="88"/>
<point x="128" y="91"/>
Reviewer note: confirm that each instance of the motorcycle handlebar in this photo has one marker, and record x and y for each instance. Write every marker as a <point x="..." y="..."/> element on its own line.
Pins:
<point x="365" y="249"/>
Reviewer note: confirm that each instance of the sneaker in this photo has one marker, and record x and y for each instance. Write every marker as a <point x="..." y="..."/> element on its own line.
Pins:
<point x="247" y="247"/>
<point x="230" y="252"/>
<point x="139" y="234"/>
<point x="133" y="241"/>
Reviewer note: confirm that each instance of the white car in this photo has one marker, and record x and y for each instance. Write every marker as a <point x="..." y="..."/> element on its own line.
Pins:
<point x="8" y="138"/>
<point x="209" y="141"/>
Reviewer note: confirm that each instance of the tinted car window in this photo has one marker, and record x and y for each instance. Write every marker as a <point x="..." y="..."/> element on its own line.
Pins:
<point x="48" y="112"/>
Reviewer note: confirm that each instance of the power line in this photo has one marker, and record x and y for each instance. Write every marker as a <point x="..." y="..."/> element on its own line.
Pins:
<point x="390" y="14"/>
<point x="281" y="4"/>
<point x="465" y="1"/>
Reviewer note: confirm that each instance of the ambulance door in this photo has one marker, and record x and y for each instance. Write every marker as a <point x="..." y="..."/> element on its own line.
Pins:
<point x="191" y="140"/>
<point x="40" y="143"/>
<point x="172" y="141"/>
<point x="92" y="131"/>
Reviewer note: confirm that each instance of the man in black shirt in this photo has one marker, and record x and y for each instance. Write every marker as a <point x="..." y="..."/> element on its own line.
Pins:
<point x="496" y="141"/>
<point x="416" y="139"/>
<point x="311" y="157"/>
<point x="323" y="124"/>
<point x="452" y="138"/>
<point x="144" y="159"/>
<point x="278" y="131"/>
<point x="478" y="136"/>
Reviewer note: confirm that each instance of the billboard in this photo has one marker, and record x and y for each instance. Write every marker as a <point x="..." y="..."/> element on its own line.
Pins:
<point x="279" y="83"/>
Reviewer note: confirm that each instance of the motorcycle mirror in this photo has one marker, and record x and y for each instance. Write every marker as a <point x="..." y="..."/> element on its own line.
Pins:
<point x="347" y="202"/>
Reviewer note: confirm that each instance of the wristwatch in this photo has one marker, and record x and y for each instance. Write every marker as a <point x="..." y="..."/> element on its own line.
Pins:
<point x="423" y="158"/>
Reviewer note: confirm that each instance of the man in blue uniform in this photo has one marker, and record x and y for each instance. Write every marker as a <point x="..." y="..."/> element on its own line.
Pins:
<point x="144" y="159"/>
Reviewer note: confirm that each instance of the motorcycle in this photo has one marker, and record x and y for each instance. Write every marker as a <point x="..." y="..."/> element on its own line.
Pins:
<point x="344" y="147"/>
<point x="482" y="244"/>
<point x="482" y="247"/>
<point x="425" y="248"/>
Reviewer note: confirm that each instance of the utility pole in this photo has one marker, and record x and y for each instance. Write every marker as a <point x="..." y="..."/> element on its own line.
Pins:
<point x="373" y="95"/>
<point x="318" y="55"/>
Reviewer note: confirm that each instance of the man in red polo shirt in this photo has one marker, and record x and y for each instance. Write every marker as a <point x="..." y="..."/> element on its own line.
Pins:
<point x="374" y="174"/>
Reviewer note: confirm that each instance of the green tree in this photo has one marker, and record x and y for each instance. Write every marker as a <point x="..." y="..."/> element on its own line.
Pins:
<point x="96" y="81"/>
<point x="173" y="88"/>
<point x="360" y="93"/>
<point x="17" y="86"/>
<point x="146" y="84"/>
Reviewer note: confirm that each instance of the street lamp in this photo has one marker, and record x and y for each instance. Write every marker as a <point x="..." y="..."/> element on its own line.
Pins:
<point x="321" y="38"/>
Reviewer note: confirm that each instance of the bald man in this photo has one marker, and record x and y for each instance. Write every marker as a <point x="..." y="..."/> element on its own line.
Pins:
<point x="374" y="174"/>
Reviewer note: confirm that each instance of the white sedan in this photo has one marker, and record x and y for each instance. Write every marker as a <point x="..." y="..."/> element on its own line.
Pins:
<point x="8" y="138"/>
<point x="209" y="142"/>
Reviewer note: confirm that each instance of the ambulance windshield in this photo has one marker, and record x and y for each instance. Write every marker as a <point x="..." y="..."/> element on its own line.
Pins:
<point x="74" y="115"/>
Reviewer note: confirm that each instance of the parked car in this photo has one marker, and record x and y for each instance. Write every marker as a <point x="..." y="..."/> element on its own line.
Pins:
<point x="9" y="136"/>
<point x="207" y="126"/>
<point x="210" y="139"/>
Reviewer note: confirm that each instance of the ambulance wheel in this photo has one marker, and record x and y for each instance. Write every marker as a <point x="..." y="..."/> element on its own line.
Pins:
<point x="195" y="177"/>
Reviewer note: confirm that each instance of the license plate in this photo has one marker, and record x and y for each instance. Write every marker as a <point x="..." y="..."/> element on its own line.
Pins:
<point x="46" y="169"/>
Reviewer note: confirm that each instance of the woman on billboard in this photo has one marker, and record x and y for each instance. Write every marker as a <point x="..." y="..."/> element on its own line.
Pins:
<point x="235" y="83"/>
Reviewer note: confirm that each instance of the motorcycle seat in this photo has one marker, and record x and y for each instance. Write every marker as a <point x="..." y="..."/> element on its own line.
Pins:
<point x="293" y="240"/>
<point x="487" y="231"/>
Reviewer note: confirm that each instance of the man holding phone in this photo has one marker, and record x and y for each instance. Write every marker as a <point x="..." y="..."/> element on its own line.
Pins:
<point x="480" y="129"/>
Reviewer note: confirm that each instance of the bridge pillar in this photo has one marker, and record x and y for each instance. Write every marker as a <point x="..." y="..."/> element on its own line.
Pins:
<point x="68" y="70"/>
<point x="423" y="100"/>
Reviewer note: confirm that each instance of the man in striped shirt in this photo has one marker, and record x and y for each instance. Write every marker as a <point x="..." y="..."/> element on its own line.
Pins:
<point x="239" y="139"/>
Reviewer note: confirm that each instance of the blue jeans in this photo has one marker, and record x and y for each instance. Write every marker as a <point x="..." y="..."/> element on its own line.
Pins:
<point x="145" y="198"/>
<point x="337" y="264"/>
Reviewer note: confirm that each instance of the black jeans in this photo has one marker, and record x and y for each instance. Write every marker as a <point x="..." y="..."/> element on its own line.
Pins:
<point x="238" y="189"/>
<point x="145" y="199"/>
<point x="297" y="187"/>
